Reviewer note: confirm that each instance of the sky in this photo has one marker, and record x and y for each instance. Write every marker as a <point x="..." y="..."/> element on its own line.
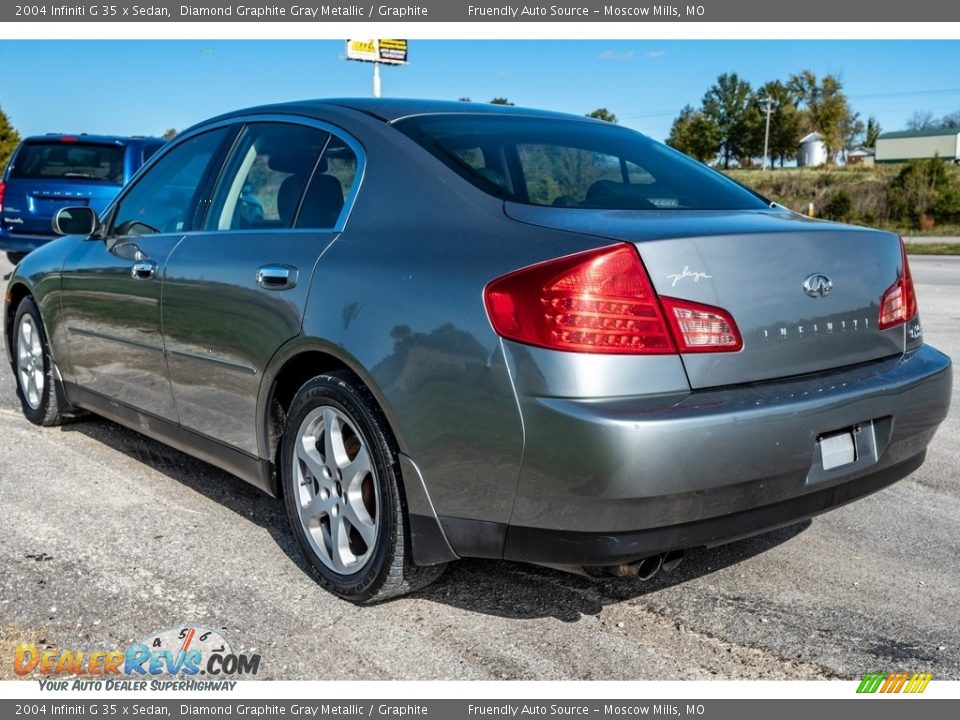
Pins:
<point x="145" y="87"/>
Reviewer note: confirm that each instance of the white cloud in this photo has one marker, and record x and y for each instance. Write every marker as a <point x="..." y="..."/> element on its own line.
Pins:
<point x="614" y="55"/>
<point x="655" y="54"/>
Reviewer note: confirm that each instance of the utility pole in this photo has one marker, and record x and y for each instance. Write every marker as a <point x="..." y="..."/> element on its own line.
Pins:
<point x="376" y="84"/>
<point x="767" y="102"/>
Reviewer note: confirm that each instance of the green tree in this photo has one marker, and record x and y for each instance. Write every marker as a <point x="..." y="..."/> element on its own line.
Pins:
<point x="500" y="101"/>
<point x="872" y="133"/>
<point x="694" y="134"/>
<point x="603" y="114"/>
<point x="853" y="130"/>
<point x="170" y="134"/>
<point x="729" y="106"/>
<point x="825" y="108"/>
<point x="9" y="139"/>
<point x="924" y="188"/>
<point x="785" y="130"/>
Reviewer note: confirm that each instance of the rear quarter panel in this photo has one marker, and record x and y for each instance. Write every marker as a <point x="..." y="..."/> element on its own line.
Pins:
<point x="399" y="296"/>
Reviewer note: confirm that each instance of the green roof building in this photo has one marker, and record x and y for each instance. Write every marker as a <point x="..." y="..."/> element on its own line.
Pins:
<point x="915" y="144"/>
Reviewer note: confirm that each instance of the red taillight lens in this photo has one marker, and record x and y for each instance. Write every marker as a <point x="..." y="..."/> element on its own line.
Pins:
<point x="602" y="301"/>
<point x="899" y="302"/>
<point x="701" y="328"/>
<point x="3" y="188"/>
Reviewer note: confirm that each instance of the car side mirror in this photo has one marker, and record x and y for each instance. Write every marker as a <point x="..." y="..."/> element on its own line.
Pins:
<point x="75" y="221"/>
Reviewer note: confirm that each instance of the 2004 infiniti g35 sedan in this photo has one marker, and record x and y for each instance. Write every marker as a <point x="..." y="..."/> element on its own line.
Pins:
<point x="444" y="330"/>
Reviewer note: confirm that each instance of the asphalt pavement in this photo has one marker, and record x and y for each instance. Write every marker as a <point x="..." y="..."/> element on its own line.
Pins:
<point x="107" y="536"/>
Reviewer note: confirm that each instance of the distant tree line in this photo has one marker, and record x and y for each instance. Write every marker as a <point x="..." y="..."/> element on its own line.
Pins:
<point x="729" y="125"/>
<point x="924" y="120"/>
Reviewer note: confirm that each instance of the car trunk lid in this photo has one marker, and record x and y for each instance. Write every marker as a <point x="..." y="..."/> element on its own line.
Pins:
<point x="770" y="271"/>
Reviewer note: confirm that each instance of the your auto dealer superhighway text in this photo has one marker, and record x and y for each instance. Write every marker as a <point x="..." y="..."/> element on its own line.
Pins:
<point x="305" y="11"/>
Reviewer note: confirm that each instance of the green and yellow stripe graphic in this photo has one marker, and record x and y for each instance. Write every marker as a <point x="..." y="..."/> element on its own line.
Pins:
<point x="901" y="682"/>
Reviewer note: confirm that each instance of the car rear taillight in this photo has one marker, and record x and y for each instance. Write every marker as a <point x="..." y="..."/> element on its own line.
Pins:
<point x="601" y="301"/>
<point x="899" y="301"/>
<point x="701" y="328"/>
<point x="3" y="189"/>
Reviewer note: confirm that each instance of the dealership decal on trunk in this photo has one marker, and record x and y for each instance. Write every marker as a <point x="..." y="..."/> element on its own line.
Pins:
<point x="688" y="273"/>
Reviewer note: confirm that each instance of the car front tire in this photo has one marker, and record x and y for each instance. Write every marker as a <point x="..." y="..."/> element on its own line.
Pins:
<point x="343" y="495"/>
<point x="37" y="387"/>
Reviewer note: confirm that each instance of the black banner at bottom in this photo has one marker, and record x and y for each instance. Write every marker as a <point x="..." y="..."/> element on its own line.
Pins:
<point x="873" y="707"/>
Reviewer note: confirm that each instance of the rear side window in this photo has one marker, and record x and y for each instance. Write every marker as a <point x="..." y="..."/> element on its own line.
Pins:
<point x="280" y="176"/>
<point x="330" y="186"/>
<point x="63" y="160"/>
<point x="571" y="163"/>
<point x="264" y="180"/>
<point x="163" y="199"/>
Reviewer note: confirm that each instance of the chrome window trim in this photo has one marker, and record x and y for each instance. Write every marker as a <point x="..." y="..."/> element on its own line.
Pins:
<point x="241" y="121"/>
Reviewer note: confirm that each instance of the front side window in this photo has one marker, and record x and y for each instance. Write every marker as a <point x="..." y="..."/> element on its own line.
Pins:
<point x="164" y="198"/>
<point x="264" y="181"/>
<point x="572" y="163"/>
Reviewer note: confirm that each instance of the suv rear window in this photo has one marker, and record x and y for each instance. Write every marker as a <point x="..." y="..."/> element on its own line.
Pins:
<point x="69" y="160"/>
<point x="571" y="163"/>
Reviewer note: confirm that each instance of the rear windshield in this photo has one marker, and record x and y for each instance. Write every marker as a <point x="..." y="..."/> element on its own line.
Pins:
<point x="69" y="160"/>
<point x="569" y="163"/>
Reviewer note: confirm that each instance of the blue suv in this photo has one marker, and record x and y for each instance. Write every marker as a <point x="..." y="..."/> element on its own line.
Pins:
<point x="49" y="172"/>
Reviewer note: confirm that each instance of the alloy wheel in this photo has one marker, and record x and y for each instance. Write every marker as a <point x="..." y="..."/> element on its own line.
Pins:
<point x="337" y="494"/>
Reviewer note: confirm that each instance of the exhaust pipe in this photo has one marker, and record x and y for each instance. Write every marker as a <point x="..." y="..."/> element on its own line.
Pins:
<point x="642" y="569"/>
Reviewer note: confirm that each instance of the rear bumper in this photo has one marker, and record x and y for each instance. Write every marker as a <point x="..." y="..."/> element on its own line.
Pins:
<point x="12" y="242"/>
<point x="635" y="477"/>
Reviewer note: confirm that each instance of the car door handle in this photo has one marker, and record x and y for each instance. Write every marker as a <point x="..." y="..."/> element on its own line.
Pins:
<point x="277" y="277"/>
<point x="143" y="270"/>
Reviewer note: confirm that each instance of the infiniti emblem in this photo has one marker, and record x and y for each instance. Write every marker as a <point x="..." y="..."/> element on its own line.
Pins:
<point x="817" y="285"/>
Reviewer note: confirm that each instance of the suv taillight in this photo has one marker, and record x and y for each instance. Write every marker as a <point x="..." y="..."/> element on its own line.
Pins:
<point x="602" y="301"/>
<point x="3" y="188"/>
<point x="899" y="302"/>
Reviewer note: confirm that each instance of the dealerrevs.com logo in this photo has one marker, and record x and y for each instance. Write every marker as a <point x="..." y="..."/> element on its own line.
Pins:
<point x="901" y="682"/>
<point x="185" y="653"/>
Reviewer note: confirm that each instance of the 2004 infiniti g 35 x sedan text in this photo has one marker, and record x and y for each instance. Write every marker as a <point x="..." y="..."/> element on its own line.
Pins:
<point x="442" y="330"/>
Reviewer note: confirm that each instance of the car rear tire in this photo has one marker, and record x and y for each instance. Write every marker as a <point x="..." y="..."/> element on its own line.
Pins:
<point x="41" y="396"/>
<point x="15" y="257"/>
<point x="342" y="492"/>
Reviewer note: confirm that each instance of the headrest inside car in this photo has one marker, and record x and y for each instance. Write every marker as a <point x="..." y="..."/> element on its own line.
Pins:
<point x="295" y="163"/>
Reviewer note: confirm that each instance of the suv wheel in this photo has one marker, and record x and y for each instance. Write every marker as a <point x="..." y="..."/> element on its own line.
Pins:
<point x="342" y="492"/>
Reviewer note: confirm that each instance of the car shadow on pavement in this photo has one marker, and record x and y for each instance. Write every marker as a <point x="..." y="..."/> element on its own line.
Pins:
<point x="492" y="587"/>
<point x="218" y="485"/>
<point x="520" y="591"/>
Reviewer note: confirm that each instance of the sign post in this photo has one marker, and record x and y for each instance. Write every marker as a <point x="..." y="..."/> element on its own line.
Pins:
<point x="378" y="52"/>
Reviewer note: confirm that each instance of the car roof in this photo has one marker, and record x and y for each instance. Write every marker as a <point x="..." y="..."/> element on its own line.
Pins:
<point x="95" y="139"/>
<point x="391" y="109"/>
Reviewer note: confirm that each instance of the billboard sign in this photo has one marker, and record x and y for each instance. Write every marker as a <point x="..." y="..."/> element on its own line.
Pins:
<point x="388" y="52"/>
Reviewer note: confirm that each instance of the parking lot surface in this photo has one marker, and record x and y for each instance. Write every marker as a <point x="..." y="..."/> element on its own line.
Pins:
<point x="107" y="536"/>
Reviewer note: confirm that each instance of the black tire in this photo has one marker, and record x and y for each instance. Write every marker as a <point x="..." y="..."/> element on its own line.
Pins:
<point x="49" y="405"/>
<point x="15" y="257"/>
<point x="389" y="570"/>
